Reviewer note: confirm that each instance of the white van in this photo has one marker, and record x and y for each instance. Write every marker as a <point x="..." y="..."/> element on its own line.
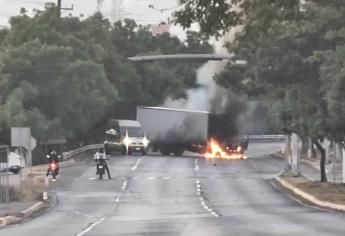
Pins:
<point x="125" y="136"/>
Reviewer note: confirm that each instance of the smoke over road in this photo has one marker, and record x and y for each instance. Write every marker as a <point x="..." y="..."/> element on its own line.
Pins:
<point x="201" y="98"/>
<point x="223" y="104"/>
<point x="208" y="96"/>
<point x="231" y="113"/>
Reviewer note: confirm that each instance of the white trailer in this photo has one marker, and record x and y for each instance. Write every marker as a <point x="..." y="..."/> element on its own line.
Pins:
<point x="174" y="130"/>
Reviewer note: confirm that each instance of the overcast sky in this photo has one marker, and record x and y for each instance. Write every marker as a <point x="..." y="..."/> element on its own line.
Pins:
<point x="136" y="9"/>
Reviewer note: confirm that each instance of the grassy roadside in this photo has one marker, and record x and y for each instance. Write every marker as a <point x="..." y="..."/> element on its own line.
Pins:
<point x="328" y="192"/>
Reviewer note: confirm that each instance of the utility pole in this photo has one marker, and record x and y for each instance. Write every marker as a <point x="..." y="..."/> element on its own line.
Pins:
<point x="59" y="8"/>
<point x="99" y="5"/>
<point x="116" y="10"/>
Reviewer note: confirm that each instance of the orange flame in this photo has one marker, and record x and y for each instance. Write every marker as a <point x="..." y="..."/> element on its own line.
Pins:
<point x="215" y="150"/>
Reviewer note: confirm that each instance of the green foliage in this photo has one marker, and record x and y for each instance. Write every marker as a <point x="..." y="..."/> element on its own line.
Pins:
<point x="295" y="54"/>
<point x="64" y="77"/>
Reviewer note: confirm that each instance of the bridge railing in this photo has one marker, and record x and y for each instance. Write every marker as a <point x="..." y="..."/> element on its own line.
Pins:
<point x="69" y="154"/>
<point x="267" y="138"/>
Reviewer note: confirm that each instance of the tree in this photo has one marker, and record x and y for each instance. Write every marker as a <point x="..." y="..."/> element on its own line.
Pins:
<point x="295" y="57"/>
<point x="64" y="77"/>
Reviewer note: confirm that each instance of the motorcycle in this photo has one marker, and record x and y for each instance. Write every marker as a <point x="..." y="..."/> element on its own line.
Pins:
<point x="53" y="166"/>
<point x="101" y="167"/>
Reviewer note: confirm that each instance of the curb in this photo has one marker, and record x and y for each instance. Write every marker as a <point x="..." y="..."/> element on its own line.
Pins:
<point x="277" y="155"/>
<point x="304" y="161"/>
<point x="26" y="213"/>
<point x="309" y="197"/>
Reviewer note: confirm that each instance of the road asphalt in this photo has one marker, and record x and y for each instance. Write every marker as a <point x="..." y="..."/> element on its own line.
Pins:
<point x="168" y="195"/>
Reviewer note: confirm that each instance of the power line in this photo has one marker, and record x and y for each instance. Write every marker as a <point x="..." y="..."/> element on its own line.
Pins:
<point x="60" y="8"/>
<point x="32" y="1"/>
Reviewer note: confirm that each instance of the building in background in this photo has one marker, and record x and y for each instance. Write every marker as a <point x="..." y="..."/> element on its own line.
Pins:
<point x="160" y="28"/>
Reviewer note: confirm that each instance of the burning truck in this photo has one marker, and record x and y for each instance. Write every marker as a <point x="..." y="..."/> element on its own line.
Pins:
<point x="173" y="131"/>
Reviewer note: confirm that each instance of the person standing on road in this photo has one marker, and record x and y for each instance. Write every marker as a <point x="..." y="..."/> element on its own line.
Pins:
<point x="100" y="158"/>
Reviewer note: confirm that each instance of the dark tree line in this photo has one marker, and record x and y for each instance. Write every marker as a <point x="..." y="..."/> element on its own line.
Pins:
<point x="64" y="77"/>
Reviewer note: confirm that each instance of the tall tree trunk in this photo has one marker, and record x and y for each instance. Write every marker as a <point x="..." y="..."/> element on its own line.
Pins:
<point x="313" y="150"/>
<point x="322" y="161"/>
<point x="288" y="153"/>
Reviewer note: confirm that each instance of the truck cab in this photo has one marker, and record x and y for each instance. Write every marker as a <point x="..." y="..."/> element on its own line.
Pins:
<point x="125" y="136"/>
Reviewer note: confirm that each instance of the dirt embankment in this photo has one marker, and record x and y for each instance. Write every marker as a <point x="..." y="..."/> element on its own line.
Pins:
<point x="31" y="190"/>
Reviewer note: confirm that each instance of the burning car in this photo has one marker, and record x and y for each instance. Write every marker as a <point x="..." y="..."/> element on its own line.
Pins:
<point x="227" y="150"/>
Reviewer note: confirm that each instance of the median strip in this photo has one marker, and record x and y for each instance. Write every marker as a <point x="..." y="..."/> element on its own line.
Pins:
<point x="327" y="195"/>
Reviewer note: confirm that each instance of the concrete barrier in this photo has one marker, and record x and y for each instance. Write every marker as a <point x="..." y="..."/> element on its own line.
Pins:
<point x="20" y="216"/>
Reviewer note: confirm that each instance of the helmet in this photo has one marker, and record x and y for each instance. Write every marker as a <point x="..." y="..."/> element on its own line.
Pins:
<point x="53" y="152"/>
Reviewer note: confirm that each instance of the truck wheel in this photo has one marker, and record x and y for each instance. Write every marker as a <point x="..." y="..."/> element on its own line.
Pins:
<point x="178" y="152"/>
<point x="155" y="148"/>
<point x="165" y="151"/>
<point x="144" y="152"/>
<point x="123" y="151"/>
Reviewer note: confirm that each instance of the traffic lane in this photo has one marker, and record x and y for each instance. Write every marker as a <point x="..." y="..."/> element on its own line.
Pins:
<point x="160" y="199"/>
<point x="259" y="149"/>
<point x="260" y="157"/>
<point x="82" y="199"/>
<point x="250" y="205"/>
<point x="276" y="165"/>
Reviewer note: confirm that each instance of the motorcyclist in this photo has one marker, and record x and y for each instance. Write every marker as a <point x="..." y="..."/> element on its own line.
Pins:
<point x="100" y="158"/>
<point x="53" y="157"/>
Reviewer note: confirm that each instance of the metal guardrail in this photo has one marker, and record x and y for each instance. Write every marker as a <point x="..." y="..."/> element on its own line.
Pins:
<point x="4" y="175"/>
<point x="270" y="137"/>
<point x="67" y="155"/>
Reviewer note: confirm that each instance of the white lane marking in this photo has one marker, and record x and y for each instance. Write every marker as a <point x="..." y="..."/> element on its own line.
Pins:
<point x="202" y="200"/>
<point x="117" y="199"/>
<point x="167" y="177"/>
<point x="215" y="214"/>
<point x="196" y="168"/>
<point x="91" y="226"/>
<point x="136" y="164"/>
<point x="92" y="178"/>
<point x="151" y="177"/>
<point x="254" y="165"/>
<point x="82" y="214"/>
<point x="124" y="185"/>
